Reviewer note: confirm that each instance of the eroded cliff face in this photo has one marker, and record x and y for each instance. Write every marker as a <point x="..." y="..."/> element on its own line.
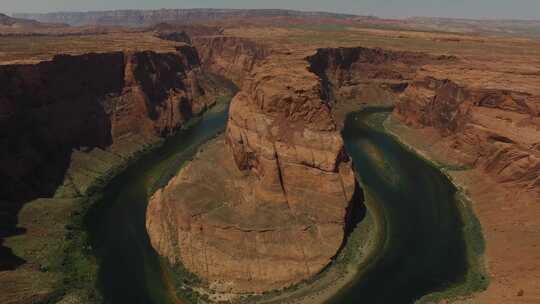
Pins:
<point x="90" y="101"/>
<point x="495" y="130"/>
<point x="290" y="165"/>
<point x="280" y="212"/>
<point x="232" y="57"/>
<point x="356" y="77"/>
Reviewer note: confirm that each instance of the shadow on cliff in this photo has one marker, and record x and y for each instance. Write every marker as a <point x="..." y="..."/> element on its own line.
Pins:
<point x="50" y="109"/>
<point x="47" y="111"/>
<point x="356" y="212"/>
<point x="8" y="227"/>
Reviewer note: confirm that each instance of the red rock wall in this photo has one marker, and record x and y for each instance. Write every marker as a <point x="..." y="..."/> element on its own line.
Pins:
<point x="93" y="100"/>
<point x="496" y="130"/>
<point x="231" y="57"/>
<point x="282" y="136"/>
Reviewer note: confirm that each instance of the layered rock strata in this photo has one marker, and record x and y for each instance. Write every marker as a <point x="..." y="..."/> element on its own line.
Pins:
<point x="232" y="57"/>
<point x="68" y="125"/>
<point x="357" y="77"/>
<point x="278" y="214"/>
<point x="497" y="131"/>
<point x="283" y="136"/>
<point x="103" y="101"/>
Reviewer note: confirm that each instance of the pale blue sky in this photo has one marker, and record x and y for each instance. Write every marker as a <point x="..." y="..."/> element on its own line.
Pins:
<point x="517" y="9"/>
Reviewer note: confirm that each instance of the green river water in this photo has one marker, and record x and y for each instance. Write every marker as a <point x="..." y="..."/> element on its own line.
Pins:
<point x="420" y="246"/>
<point x="424" y="243"/>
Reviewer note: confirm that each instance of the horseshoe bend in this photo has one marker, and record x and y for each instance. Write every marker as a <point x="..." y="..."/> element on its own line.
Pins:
<point x="268" y="156"/>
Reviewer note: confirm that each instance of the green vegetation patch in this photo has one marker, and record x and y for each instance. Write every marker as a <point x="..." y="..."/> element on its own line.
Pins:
<point x="55" y="249"/>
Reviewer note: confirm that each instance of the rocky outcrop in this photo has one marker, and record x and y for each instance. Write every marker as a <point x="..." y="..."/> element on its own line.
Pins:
<point x="356" y="77"/>
<point x="496" y="130"/>
<point x="96" y="100"/>
<point x="214" y="219"/>
<point x="285" y="187"/>
<point x="233" y="57"/>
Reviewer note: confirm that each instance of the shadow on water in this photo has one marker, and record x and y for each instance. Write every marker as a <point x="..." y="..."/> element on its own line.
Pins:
<point x="129" y="268"/>
<point x="422" y="249"/>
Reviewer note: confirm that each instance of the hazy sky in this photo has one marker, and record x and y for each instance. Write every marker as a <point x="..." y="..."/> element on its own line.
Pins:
<point x="517" y="9"/>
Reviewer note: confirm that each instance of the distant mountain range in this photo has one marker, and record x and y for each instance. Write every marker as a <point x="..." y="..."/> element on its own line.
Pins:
<point x="151" y="17"/>
<point x="145" y="18"/>
<point x="13" y="22"/>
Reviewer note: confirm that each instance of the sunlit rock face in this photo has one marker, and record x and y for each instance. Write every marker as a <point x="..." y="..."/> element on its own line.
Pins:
<point x="266" y="206"/>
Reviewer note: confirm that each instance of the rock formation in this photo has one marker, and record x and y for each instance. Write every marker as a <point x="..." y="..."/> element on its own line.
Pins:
<point x="283" y="136"/>
<point x="278" y="213"/>
<point x="496" y="130"/>
<point x="95" y="100"/>
<point x="232" y="57"/>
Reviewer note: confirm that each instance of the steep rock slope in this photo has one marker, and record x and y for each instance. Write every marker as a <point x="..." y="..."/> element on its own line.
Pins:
<point x="282" y="210"/>
<point x="495" y="130"/>
<point x="70" y="124"/>
<point x="95" y="100"/>
<point x="233" y="57"/>
<point x="355" y="77"/>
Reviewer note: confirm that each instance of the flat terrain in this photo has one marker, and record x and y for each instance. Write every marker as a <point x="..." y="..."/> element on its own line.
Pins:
<point x="32" y="49"/>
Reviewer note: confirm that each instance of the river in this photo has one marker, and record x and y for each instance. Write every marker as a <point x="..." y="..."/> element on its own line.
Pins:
<point x="420" y="246"/>
<point x="130" y="270"/>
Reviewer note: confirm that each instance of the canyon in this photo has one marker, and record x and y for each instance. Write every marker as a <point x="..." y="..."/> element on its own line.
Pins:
<point x="457" y="117"/>
<point x="286" y="142"/>
<point x="269" y="203"/>
<point x="123" y="100"/>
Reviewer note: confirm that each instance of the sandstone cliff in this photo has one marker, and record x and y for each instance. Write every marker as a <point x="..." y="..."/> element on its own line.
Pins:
<point x="484" y="134"/>
<point x="232" y="57"/>
<point x="278" y="211"/>
<point x="356" y="77"/>
<point x="68" y="125"/>
<point x="97" y="100"/>
<point x="495" y="130"/>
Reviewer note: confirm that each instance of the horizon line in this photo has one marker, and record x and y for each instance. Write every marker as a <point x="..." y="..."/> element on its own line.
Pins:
<point x="371" y="15"/>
